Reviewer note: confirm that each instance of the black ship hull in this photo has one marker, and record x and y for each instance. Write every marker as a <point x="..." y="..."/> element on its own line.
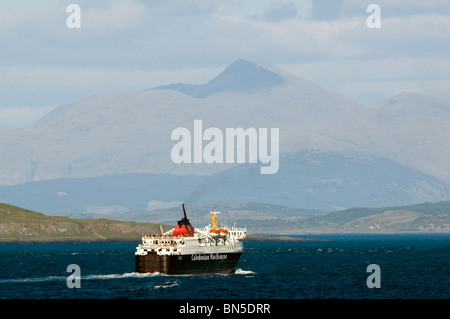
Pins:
<point x="222" y="263"/>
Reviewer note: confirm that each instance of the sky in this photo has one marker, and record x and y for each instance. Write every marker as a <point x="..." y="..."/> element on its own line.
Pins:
<point x="125" y="46"/>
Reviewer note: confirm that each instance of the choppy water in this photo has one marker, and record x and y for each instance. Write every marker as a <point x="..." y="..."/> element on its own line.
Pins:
<point x="411" y="266"/>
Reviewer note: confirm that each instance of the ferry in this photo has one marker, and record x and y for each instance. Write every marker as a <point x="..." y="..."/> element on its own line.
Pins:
<point x="185" y="250"/>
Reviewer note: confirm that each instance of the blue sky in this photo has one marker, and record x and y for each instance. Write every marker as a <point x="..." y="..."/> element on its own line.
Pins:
<point x="127" y="46"/>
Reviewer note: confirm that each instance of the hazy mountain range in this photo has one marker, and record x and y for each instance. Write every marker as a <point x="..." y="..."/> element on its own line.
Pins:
<point x="112" y="153"/>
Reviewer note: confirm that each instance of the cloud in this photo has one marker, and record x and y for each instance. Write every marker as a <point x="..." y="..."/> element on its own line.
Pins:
<point x="281" y="11"/>
<point x="113" y="16"/>
<point x="326" y="10"/>
<point x="156" y="204"/>
<point x="173" y="34"/>
<point x="390" y="9"/>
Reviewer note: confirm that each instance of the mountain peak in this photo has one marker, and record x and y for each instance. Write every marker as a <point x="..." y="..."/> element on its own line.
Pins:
<point x="241" y="75"/>
<point x="244" y="75"/>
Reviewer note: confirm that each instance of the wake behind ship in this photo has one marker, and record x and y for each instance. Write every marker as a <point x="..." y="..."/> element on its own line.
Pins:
<point x="185" y="250"/>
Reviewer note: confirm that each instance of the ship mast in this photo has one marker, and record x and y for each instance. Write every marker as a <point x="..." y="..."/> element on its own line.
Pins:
<point x="214" y="219"/>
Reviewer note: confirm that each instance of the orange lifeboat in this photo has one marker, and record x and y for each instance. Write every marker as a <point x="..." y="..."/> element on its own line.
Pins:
<point x="214" y="232"/>
<point x="223" y="232"/>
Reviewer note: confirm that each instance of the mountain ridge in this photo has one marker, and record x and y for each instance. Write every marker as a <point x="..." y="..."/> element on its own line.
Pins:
<point x="241" y="75"/>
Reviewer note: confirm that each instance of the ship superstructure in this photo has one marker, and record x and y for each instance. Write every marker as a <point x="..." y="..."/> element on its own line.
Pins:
<point x="185" y="250"/>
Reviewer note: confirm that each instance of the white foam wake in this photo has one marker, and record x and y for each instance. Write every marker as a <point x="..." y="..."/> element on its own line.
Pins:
<point x="87" y="277"/>
<point x="121" y="276"/>
<point x="240" y="271"/>
<point x="31" y="280"/>
<point x="167" y="284"/>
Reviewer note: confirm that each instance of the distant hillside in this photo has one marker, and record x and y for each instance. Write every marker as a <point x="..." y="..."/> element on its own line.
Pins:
<point x="251" y="214"/>
<point x="22" y="225"/>
<point x="425" y="217"/>
<point x="276" y="219"/>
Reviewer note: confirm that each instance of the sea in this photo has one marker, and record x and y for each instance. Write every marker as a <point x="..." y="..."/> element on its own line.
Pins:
<point x="337" y="267"/>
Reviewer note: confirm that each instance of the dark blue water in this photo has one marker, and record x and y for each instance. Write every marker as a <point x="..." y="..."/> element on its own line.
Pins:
<point x="411" y="266"/>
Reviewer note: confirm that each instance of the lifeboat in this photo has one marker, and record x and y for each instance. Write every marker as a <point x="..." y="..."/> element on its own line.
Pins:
<point x="214" y="233"/>
<point x="223" y="232"/>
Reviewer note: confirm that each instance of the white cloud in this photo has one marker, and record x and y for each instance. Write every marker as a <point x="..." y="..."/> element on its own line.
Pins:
<point x="397" y="8"/>
<point x="117" y="15"/>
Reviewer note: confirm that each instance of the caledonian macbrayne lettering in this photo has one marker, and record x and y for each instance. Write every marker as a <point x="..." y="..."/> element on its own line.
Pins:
<point x="208" y="257"/>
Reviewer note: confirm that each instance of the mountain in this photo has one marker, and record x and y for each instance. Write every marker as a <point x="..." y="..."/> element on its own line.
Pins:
<point x="241" y="75"/>
<point x="411" y="129"/>
<point x="21" y="225"/>
<point x="113" y="153"/>
<point x="131" y="133"/>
